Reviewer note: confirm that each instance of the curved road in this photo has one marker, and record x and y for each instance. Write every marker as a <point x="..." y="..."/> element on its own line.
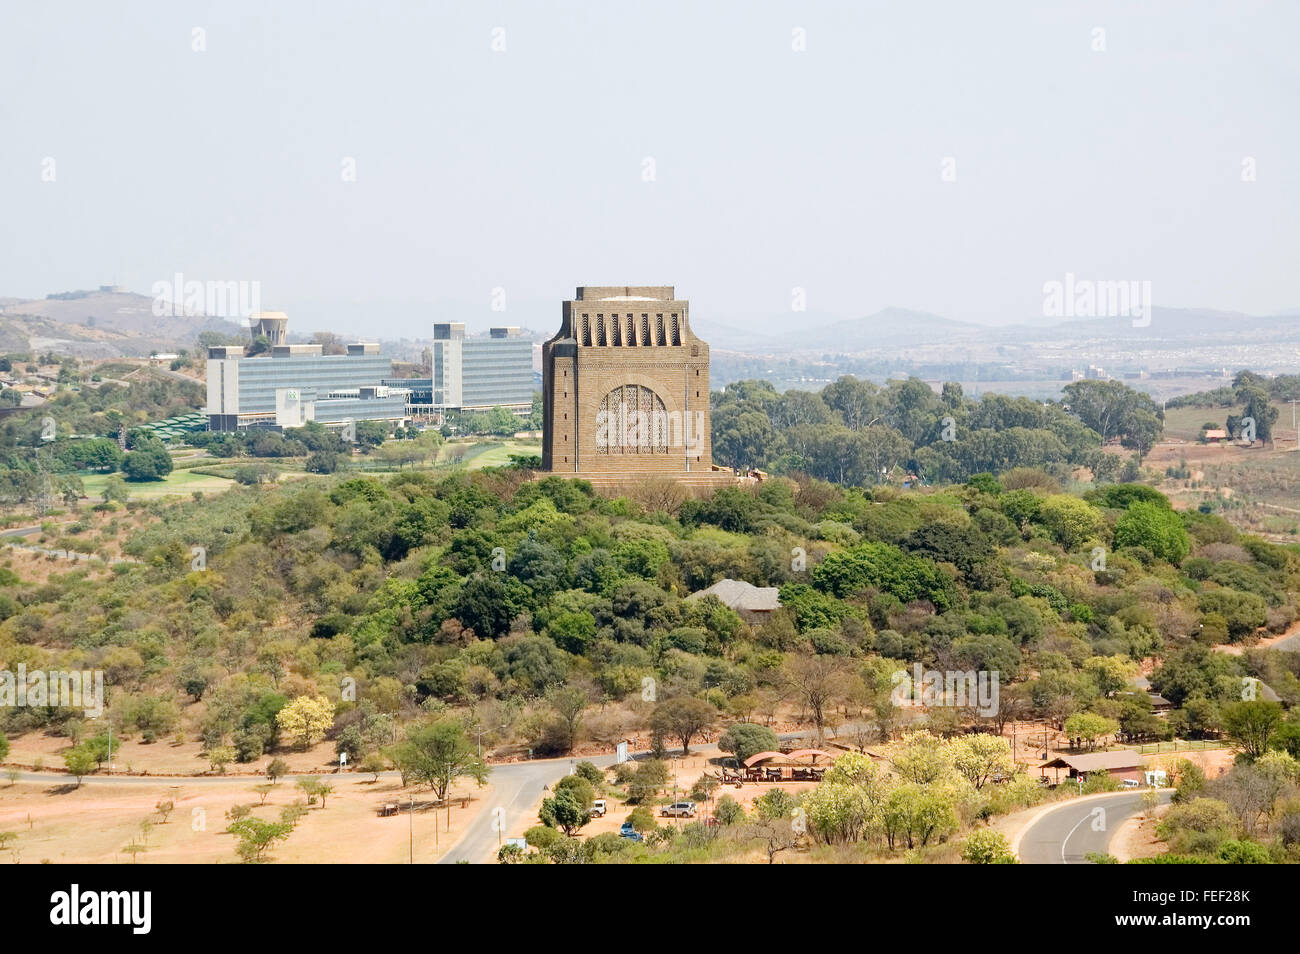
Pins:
<point x="516" y="788"/>
<point x="1065" y="834"/>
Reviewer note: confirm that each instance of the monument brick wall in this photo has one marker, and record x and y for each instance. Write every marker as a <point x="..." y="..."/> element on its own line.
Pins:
<point x="625" y="386"/>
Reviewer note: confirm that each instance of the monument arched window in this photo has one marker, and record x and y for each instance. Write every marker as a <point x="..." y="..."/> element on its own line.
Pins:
<point x="632" y="419"/>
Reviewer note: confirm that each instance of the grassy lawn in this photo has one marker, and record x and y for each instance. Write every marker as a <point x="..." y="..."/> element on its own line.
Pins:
<point x="497" y="453"/>
<point x="487" y="452"/>
<point x="177" y="482"/>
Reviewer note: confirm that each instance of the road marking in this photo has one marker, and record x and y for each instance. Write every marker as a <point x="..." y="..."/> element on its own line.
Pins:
<point x="1066" y="840"/>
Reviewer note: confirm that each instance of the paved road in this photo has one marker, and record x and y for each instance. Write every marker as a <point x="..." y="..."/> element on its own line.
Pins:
<point x="1064" y="835"/>
<point x="516" y="788"/>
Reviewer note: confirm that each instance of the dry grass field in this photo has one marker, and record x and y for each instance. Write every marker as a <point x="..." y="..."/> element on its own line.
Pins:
<point x="94" y="824"/>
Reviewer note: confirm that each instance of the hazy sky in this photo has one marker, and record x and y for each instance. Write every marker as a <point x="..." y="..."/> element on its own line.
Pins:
<point x="774" y="168"/>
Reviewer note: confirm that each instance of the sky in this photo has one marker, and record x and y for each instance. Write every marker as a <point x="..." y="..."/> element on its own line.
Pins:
<point x="379" y="166"/>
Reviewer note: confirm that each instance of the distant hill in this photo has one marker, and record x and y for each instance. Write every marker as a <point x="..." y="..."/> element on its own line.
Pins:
<point x="896" y="328"/>
<point x="1169" y="325"/>
<point x="727" y="337"/>
<point x="100" y="324"/>
<point x="891" y="327"/>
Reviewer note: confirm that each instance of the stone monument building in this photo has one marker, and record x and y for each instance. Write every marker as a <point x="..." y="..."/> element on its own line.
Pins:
<point x="625" y="386"/>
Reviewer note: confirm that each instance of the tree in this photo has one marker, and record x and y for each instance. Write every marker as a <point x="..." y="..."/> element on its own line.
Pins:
<point x="1158" y="529"/>
<point x="322" y="462"/>
<point x="148" y="462"/>
<point x="276" y="770"/>
<point x="744" y="739"/>
<point x="437" y="754"/>
<point x="923" y="758"/>
<point x="1070" y="520"/>
<point x="371" y="433"/>
<point x="915" y="812"/>
<point x="650" y="776"/>
<point x="569" y="702"/>
<point x="1257" y="408"/>
<point x="883" y="567"/>
<point x="981" y="757"/>
<point x="80" y="762"/>
<point x="194" y="681"/>
<point x="815" y="681"/>
<point x="1250" y="725"/>
<point x="683" y="717"/>
<point x="728" y="811"/>
<point x="256" y="837"/>
<point x="315" y="788"/>
<point x="219" y="756"/>
<point x="563" y="811"/>
<point x="102" y="747"/>
<point x="1088" y="727"/>
<point x="775" y="834"/>
<point x="485" y="605"/>
<point x="373" y="764"/>
<point x="115" y="490"/>
<point x="1112" y="409"/>
<point x="305" y="720"/>
<point x="1242" y="612"/>
<point x="510" y="854"/>
<point x="591" y="772"/>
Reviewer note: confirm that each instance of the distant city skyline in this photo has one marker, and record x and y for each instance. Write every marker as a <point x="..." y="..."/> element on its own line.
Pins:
<point x="377" y="170"/>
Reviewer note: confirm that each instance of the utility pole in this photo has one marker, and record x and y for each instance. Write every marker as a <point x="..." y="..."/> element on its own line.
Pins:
<point x="411" y="842"/>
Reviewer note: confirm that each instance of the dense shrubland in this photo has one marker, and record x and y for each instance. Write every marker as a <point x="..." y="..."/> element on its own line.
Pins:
<point x="856" y="432"/>
<point x="536" y="611"/>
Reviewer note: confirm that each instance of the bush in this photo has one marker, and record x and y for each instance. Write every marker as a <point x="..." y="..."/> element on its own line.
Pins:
<point x="1235" y="852"/>
<point x="746" y="739"/>
<point x="150" y="462"/>
<point x="589" y="771"/>
<point x="643" y="819"/>
<point x="728" y="811"/>
<point x="542" y="837"/>
<point x="988" y="847"/>
<point x="1156" y="528"/>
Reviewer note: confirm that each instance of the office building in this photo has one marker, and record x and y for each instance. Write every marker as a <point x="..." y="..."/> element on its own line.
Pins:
<point x="479" y="372"/>
<point x="297" y="383"/>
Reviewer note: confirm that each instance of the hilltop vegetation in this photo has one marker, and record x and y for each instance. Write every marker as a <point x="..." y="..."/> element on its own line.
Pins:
<point x="855" y="432"/>
<point x="523" y="605"/>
